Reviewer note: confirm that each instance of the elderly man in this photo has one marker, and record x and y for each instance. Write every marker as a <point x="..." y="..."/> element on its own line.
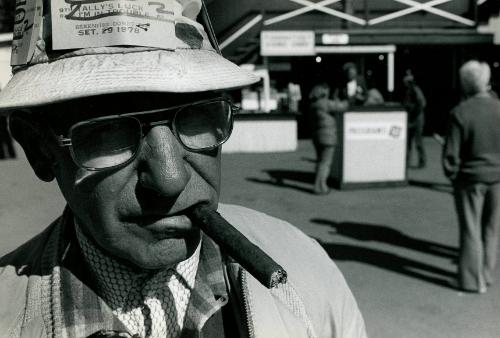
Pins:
<point x="123" y="104"/>
<point x="471" y="160"/>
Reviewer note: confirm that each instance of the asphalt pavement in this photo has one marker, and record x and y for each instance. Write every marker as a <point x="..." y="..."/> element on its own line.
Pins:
<point x="397" y="247"/>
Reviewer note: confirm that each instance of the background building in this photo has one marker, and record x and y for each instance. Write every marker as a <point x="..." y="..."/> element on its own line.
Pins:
<point x="301" y="41"/>
<point x="293" y="44"/>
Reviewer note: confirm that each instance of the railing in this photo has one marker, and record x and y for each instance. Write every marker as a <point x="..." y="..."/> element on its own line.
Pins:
<point x="366" y="13"/>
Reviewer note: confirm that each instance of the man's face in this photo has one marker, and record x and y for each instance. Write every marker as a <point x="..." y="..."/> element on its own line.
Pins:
<point x="137" y="212"/>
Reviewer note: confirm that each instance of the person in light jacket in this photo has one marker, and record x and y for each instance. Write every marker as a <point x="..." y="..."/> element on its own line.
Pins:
<point x="323" y="109"/>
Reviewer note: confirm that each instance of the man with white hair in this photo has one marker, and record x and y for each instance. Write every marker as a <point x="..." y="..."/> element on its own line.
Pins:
<point x="124" y="104"/>
<point x="471" y="160"/>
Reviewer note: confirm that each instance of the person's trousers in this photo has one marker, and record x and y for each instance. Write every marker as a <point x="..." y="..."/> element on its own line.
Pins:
<point x="416" y="136"/>
<point x="323" y="168"/>
<point x="478" y="209"/>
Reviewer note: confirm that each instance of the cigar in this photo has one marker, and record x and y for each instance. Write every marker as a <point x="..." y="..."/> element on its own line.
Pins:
<point x="251" y="257"/>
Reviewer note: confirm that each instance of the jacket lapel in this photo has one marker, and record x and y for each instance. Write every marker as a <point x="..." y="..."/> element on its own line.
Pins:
<point x="72" y="308"/>
<point x="264" y="314"/>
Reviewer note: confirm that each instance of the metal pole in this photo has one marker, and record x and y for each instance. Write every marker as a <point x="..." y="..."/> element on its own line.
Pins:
<point x="475" y="11"/>
<point x="367" y="11"/>
<point x="390" y="72"/>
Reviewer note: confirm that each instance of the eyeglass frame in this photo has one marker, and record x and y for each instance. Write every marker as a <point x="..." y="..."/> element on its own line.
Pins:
<point x="66" y="141"/>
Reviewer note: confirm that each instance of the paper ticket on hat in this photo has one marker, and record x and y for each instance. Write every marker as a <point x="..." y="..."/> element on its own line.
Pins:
<point x="100" y="23"/>
<point x="27" y="23"/>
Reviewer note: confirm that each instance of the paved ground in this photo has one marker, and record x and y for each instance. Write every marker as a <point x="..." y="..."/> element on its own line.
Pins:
<point x="396" y="247"/>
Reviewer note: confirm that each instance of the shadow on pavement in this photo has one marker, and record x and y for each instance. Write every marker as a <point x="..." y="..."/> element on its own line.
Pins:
<point x="435" y="186"/>
<point x="389" y="261"/>
<point x="287" y="179"/>
<point x="385" y="234"/>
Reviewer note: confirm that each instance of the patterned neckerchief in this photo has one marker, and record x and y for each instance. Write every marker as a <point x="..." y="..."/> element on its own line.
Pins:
<point x="150" y="304"/>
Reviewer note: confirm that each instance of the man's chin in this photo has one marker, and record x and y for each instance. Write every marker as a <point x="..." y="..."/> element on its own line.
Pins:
<point x="163" y="253"/>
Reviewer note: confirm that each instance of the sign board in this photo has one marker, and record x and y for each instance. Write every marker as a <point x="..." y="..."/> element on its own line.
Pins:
<point x="366" y="130"/>
<point x="287" y="43"/>
<point x="335" y="39"/>
<point x="88" y="23"/>
<point x="373" y="147"/>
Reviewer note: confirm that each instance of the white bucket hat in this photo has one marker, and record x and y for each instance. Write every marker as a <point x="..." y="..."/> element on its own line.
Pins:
<point x="79" y="48"/>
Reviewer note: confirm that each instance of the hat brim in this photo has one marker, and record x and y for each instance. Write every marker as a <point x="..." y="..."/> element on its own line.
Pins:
<point x="182" y="71"/>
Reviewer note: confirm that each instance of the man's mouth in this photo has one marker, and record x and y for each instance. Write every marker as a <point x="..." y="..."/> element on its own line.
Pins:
<point x="163" y="226"/>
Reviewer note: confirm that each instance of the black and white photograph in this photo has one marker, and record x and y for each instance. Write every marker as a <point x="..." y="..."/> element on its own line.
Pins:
<point x="249" y="169"/>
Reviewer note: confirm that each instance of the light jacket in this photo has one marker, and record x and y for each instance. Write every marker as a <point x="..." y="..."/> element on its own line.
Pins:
<point x="315" y="302"/>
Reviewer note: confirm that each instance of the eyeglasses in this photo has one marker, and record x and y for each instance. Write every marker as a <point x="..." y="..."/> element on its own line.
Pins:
<point x="112" y="141"/>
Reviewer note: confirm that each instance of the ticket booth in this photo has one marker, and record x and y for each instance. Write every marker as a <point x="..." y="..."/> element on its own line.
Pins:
<point x="263" y="133"/>
<point x="265" y="124"/>
<point x="372" y="147"/>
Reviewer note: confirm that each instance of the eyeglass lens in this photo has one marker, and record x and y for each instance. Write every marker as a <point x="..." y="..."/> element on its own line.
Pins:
<point x="109" y="143"/>
<point x="106" y="144"/>
<point x="204" y="126"/>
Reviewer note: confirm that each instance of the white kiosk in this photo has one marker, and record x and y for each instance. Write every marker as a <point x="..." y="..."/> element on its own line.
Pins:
<point x="372" y="147"/>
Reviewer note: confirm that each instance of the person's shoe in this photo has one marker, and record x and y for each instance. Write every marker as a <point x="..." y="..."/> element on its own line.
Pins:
<point x="454" y="284"/>
<point x="321" y="190"/>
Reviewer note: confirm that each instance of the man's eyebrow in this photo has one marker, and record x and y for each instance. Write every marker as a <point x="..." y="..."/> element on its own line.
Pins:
<point x="65" y="114"/>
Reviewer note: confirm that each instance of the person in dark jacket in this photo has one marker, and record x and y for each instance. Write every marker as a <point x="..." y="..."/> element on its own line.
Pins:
<point x="414" y="102"/>
<point x="471" y="160"/>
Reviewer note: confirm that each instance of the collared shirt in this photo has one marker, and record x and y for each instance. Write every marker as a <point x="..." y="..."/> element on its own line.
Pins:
<point x="150" y="304"/>
<point x="75" y="307"/>
<point x="352" y="88"/>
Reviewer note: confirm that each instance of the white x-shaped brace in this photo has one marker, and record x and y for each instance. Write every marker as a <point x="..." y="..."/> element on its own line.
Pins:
<point x="310" y="6"/>
<point x="417" y="6"/>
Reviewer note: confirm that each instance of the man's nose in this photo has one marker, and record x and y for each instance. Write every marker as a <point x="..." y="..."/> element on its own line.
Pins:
<point x="162" y="163"/>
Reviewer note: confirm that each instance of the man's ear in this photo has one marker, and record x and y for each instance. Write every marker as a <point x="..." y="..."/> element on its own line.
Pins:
<point x="36" y="144"/>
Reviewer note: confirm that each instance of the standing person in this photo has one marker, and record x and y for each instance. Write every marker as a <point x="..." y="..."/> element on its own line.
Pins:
<point x="131" y="126"/>
<point x="414" y="102"/>
<point x="324" y="135"/>
<point x="322" y="110"/>
<point x="353" y="89"/>
<point x="471" y="160"/>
